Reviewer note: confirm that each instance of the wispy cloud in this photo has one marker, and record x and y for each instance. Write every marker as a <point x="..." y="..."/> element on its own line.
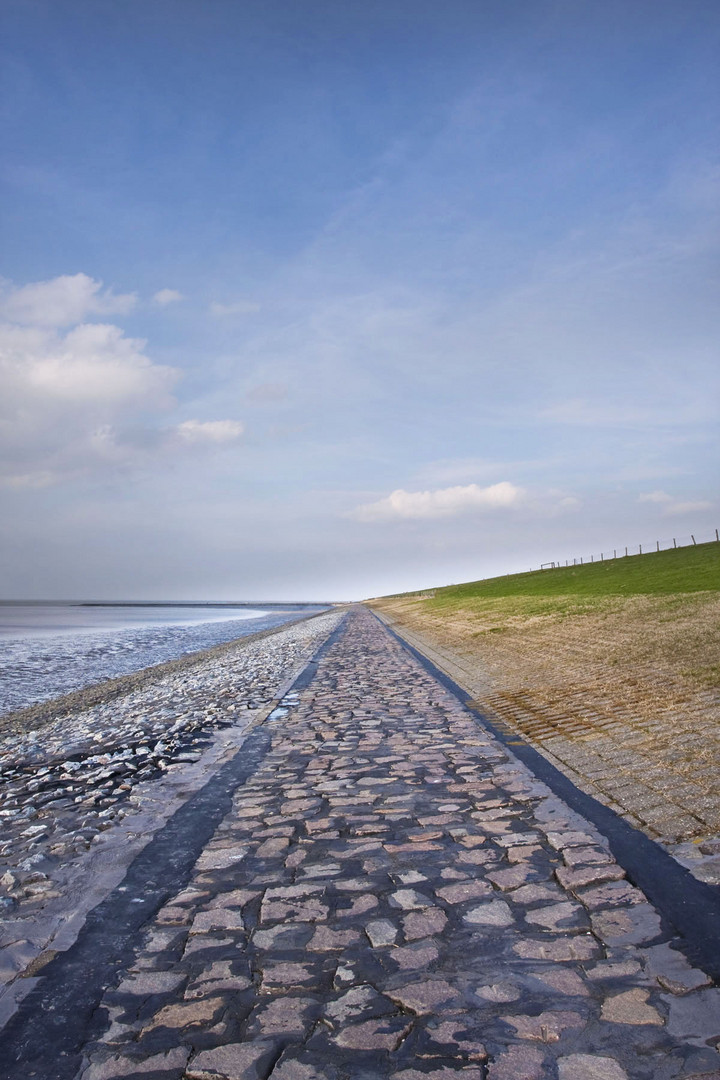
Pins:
<point x="583" y="413"/>
<point x="62" y="301"/>
<point x="167" y="296"/>
<point x="678" y="508"/>
<point x="210" y="431"/>
<point x="267" y="393"/>
<point x="470" y="469"/>
<point x="672" y="507"/>
<point x="237" y="307"/>
<point x="443" y="502"/>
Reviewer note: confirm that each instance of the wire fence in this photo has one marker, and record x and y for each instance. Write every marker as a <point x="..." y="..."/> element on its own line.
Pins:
<point x="637" y="549"/>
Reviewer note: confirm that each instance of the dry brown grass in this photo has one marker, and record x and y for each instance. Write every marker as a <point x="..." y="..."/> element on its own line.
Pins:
<point x="622" y="693"/>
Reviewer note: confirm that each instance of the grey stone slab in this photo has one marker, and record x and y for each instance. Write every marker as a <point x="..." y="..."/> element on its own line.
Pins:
<point x="695" y="1018"/>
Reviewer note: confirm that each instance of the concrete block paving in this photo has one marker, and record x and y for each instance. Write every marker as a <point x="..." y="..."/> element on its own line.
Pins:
<point x="394" y="896"/>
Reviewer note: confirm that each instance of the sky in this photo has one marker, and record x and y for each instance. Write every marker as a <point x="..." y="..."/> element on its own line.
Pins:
<point x="312" y="299"/>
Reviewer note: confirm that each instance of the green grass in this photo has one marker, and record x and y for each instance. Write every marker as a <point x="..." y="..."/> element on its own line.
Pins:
<point x="662" y="573"/>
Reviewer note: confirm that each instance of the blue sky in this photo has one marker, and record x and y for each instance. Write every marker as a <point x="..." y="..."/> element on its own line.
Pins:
<point x="313" y="299"/>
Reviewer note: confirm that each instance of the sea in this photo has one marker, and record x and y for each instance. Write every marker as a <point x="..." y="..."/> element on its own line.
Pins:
<point x="50" y="649"/>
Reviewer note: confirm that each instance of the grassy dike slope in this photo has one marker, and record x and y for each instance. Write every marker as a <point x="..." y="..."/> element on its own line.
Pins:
<point x="612" y="669"/>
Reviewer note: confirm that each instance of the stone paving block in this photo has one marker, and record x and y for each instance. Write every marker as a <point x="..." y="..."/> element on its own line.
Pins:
<point x="324" y="939"/>
<point x="221" y="859"/>
<point x="171" y="1063"/>
<point x="234" y="1061"/>
<point x="151" y="982"/>
<point x="630" y="1007"/>
<point x="588" y="875"/>
<point x="418" y="955"/>
<point x="278" y="974"/>
<point x="565" y="948"/>
<point x="503" y="991"/>
<point x="359" y="1001"/>
<point x="468" y="890"/>
<point x="494" y="913"/>
<point x="519" y="1063"/>
<point x="589" y="1067"/>
<point x="586" y="856"/>
<point x="381" y="932"/>
<point x="455" y="1036"/>
<point x="530" y="894"/>
<point x="614" y="969"/>
<point x="560" y="916"/>
<point x="409" y="900"/>
<point x="386" y="1034"/>
<point x="563" y="981"/>
<point x="219" y="919"/>
<point x="187" y="1014"/>
<point x="633" y="925"/>
<point x="611" y="894"/>
<point x="423" y="997"/>
<point x="545" y="1027"/>
<point x="285" y="1016"/>
<point x="695" y="1018"/>
<point x="423" y="924"/>
<point x="233" y="898"/>
<point x="289" y="1068"/>
<point x="672" y="970"/>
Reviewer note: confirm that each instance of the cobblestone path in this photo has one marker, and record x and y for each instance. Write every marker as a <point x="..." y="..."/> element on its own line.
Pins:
<point x="393" y="896"/>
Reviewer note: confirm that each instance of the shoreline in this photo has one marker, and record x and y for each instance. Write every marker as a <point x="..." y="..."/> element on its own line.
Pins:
<point x="35" y="717"/>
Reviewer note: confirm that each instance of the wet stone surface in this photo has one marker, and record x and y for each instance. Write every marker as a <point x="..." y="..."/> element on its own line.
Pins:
<point x="64" y="784"/>
<point x="393" y="896"/>
<point x="76" y="794"/>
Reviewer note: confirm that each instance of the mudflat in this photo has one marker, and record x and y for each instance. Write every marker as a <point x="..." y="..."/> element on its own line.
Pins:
<point x="620" y="692"/>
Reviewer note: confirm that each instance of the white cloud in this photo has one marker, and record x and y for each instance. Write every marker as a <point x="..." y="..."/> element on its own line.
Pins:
<point x="85" y="400"/>
<point x="167" y="296"/>
<point x="444" y="502"/>
<point x="238" y="307"/>
<point x="66" y="397"/>
<point x="655" y="497"/>
<point x="61" y="301"/>
<point x="96" y="363"/>
<point x="210" y="431"/>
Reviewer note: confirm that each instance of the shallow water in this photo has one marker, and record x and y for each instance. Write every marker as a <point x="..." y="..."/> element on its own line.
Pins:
<point x="51" y="649"/>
